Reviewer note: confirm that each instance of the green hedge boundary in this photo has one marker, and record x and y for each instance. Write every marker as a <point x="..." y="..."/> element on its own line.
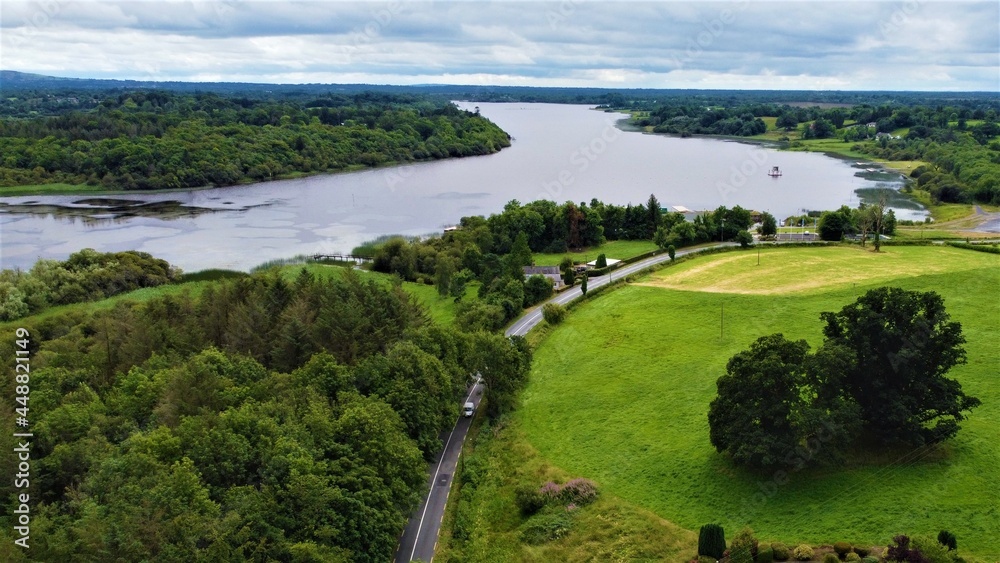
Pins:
<point x="992" y="248"/>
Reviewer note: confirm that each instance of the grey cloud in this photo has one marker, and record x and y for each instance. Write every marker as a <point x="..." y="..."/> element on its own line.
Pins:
<point x="864" y="44"/>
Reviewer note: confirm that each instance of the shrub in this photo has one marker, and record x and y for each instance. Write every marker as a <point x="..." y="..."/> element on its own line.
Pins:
<point x="743" y="549"/>
<point x="842" y="548"/>
<point x="553" y="313"/>
<point x="744" y="238"/>
<point x="711" y="541"/>
<point x="529" y="500"/>
<point x="852" y="557"/>
<point x="869" y="559"/>
<point x="764" y="555"/>
<point x="862" y="551"/>
<point x="579" y="491"/>
<point x="831" y="558"/>
<point x="803" y="553"/>
<point x="948" y="540"/>
<point x="601" y="262"/>
<point x="550" y="491"/>
<point x="707" y="559"/>
<point x="931" y="550"/>
<point x="781" y="551"/>
<point x="463" y="520"/>
<point x="541" y="528"/>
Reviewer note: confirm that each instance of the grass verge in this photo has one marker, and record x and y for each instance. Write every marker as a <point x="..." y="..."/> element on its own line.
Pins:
<point x="485" y="523"/>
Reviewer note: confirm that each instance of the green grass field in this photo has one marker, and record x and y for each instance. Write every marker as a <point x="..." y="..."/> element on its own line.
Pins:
<point x="619" y="393"/>
<point x="442" y="309"/>
<point x="620" y="249"/>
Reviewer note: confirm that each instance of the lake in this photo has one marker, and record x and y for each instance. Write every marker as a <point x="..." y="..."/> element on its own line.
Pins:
<point x="559" y="152"/>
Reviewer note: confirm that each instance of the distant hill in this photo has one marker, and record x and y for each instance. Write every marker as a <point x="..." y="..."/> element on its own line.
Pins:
<point x="12" y="81"/>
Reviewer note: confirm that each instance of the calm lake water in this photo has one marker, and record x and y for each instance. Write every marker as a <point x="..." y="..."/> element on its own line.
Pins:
<point x="559" y="152"/>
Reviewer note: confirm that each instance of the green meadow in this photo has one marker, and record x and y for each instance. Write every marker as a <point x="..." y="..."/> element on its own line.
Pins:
<point x="617" y="249"/>
<point x="619" y="393"/>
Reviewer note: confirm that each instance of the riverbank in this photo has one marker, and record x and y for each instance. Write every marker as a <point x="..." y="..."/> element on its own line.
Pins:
<point x="841" y="150"/>
<point x="62" y="189"/>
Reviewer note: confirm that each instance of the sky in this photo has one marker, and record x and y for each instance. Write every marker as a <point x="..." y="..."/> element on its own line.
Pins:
<point x="741" y="44"/>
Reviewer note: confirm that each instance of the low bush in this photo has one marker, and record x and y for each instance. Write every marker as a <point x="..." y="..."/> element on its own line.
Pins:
<point x="869" y="559"/>
<point x="743" y="548"/>
<point x="579" y="491"/>
<point x="831" y="558"/>
<point x="542" y="528"/>
<point x="529" y="500"/>
<point x="852" y="557"/>
<point x="991" y="248"/>
<point x="802" y="553"/>
<point x="553" y="313"/>
<point x="842" y="548"/>
<point x="764" y="555"/>
<point x="947" y="539"/>
<point x="550" y="491"/>
<point x="781" y="551"/>
<point x="932" y="551"/>
<point x="862" y="551"/>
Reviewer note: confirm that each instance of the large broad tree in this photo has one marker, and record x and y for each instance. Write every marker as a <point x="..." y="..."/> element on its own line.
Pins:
<point x="903" y="343"/>
<point x="762" y="416"/>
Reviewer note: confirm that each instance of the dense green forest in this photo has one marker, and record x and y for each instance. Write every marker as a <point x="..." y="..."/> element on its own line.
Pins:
<point x="146" y="140"/>
<point x="245" y="423"/>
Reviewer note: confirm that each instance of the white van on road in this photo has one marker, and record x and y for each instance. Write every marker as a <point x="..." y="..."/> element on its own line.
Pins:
<point x="469" y="409"/>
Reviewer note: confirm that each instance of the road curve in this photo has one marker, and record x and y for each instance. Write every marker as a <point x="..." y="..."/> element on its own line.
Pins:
<point x="419" y="539"/>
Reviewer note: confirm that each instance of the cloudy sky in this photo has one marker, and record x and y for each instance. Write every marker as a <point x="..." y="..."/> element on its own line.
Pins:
<point x="741" y="44"/>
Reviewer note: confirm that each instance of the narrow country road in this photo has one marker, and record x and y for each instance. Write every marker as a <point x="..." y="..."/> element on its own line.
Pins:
<point x="419" y="539"/>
